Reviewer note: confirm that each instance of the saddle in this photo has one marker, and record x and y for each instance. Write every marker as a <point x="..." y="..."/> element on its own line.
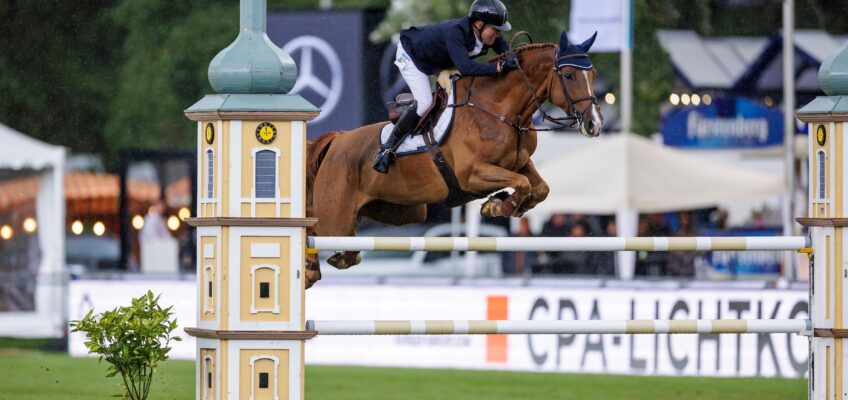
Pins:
<point x="429" y="119"/>
<point x="426" y="126"/>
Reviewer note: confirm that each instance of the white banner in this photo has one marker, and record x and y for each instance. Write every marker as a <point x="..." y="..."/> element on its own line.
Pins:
<point x="603" y="16"/>
<point x="706" y="355"/>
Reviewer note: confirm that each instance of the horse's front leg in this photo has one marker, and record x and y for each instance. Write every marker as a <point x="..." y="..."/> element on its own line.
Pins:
<point x="488" y="178"/>
<point x="540" y="188"/>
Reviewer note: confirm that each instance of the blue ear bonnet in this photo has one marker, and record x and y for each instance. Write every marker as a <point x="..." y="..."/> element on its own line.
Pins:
<point x="574" y="55"/>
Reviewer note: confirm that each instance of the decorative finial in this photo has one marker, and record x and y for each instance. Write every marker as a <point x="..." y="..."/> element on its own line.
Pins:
<point x="252" y="63"/>
<point x="833" y="74"/>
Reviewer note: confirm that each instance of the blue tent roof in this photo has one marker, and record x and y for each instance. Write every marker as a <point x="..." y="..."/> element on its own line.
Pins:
<point x="747" y="64"/>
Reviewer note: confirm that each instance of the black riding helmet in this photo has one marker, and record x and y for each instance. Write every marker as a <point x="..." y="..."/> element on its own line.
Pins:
<point x="491" y="12"/>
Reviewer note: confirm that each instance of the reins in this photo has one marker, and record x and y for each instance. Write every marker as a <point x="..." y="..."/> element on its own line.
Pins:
<point x="569" y="121"/>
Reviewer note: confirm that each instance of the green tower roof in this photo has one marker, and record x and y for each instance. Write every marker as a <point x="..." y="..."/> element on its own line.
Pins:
<point x="252" y="75"/>
<point x="833" y="77"/>
<point x="252" y="63"/>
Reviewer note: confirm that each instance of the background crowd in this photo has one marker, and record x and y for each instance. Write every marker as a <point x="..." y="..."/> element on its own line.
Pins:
<point x="681" y="264"/>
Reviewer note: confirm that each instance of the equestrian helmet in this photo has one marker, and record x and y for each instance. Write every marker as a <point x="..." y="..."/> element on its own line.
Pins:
<point x="491" y="12"/>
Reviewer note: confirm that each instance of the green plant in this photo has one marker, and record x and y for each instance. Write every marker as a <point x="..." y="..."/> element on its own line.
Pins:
<point x="132" y="339"/>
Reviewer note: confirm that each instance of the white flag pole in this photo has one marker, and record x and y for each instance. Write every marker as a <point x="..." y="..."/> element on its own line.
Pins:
<point x="626" y="66"/>
<point x="789" y="129"/>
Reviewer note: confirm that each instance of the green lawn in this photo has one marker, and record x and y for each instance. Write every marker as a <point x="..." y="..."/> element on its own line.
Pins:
<point x="30" y="375"/>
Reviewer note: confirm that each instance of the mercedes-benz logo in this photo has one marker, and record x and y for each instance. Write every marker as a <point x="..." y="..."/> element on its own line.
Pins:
<point x="307" y="79"/>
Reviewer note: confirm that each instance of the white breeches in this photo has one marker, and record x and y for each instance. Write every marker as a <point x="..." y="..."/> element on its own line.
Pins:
<point x="418" y="82"/>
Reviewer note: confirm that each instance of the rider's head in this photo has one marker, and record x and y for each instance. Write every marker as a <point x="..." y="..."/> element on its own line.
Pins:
<point x="489" y="19"/>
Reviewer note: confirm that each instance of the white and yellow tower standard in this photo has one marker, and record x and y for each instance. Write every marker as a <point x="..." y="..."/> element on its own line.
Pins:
<point x="251" y="221"/>
<point x="827" y="117"/>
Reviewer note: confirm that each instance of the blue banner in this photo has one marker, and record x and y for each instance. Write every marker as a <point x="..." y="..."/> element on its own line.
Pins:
<point x="725" y="123"/>
<point x="744" y="263"/>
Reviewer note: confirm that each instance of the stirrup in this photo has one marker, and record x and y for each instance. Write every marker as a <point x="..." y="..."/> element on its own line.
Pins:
<point x="385" y="158"/>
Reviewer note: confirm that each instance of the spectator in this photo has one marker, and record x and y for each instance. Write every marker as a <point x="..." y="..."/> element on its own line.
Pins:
<point x="604" y="261"/>
<point x="554" y="227"/>
<point x="592" y="222"/>
<point x="682" y="263"/>
<point x="652" y="263"/>
<point x="575" y="262"/>
<point x="521" y="262"/>
<point x="154" y="224"/>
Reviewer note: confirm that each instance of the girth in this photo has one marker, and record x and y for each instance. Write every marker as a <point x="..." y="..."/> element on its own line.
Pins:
<point x="456" y="196"/>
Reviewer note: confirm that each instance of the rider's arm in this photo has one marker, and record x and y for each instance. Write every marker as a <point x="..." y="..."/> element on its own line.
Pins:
<point x="455" y="43"/>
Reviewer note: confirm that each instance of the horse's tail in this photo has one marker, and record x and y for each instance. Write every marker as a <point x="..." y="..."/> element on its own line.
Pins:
<point x="315" y="152"/>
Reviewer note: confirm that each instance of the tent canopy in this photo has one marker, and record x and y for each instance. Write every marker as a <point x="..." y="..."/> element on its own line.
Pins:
<point x="20" y="151"/>
<point x="47" y="319"/>
<point x="627" y="171"/>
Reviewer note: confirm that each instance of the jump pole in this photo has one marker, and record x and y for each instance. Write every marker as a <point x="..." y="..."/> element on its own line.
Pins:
<point x="749" y="243"/>
<point x="537" y="327"/>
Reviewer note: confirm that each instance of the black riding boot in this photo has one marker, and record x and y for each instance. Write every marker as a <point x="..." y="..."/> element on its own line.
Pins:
<point x="386" y="155"/>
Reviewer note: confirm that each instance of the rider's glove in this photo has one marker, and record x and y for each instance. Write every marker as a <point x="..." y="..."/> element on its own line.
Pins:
<point x="509" y="62"/>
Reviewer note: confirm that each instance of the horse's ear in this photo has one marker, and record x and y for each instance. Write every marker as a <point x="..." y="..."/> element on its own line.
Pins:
<point x="563" y="40"/>
<point x="588" y="43"/>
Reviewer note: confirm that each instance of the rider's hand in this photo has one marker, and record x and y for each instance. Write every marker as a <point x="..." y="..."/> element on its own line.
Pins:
<point x="509" y="62"/>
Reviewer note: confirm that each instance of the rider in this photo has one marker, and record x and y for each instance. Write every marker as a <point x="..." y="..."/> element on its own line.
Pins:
<point x="426" y="50"/>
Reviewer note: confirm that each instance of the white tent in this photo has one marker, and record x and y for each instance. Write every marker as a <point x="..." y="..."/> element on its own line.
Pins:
<point x="627" y="174"/>
<point x="17" y="152"/>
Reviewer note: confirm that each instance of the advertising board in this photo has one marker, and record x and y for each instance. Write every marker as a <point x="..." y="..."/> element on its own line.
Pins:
<point x="704" y="355"/>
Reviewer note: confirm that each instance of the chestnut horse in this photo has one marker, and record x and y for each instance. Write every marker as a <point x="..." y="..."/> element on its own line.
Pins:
<point x="488" y="147"/>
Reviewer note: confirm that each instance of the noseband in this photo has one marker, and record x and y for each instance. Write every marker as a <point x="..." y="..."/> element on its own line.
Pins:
<point x="573" y="118"/>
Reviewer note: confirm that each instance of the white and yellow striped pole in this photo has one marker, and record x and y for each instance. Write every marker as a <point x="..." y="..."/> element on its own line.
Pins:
<point x="749" y="243"/>
<point x="537" y="327"/>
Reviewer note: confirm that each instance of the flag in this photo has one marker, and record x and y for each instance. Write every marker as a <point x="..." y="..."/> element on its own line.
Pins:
<point x="604" y="16"/>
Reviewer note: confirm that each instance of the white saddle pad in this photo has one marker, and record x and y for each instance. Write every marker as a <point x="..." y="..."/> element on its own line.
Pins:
<point x="415" y="144"/>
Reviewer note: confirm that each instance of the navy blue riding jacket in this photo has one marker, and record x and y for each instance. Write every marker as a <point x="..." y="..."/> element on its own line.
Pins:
<point x="446" y="45"/>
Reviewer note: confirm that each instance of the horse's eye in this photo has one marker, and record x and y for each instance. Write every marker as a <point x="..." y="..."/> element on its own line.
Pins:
<point x="569" y="76"/>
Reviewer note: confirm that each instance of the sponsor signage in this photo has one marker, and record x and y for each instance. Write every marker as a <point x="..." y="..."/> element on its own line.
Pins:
<point x="782" y="355"/>
<point x="737" y="263"/>
<point x="726" y="123"/>
<point x="336" y="64"/>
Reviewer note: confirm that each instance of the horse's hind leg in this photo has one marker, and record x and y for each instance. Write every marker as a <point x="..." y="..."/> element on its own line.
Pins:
<point x="312" y="273"/>
<point x="338" y="217"/>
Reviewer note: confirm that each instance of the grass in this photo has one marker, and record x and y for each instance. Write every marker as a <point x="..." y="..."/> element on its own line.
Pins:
<point x="31" y="375"/>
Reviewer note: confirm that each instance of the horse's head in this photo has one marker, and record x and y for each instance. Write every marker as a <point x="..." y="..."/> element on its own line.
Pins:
<point x="576" y="77"/>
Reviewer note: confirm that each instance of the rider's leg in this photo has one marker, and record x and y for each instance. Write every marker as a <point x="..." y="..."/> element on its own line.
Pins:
<point x="386" y="154"/>
<point x="418" y="82"/>
<point x="419" y="85"/>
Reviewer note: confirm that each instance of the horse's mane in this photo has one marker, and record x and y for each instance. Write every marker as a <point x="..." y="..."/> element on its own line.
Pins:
<point x="523" y="48"/>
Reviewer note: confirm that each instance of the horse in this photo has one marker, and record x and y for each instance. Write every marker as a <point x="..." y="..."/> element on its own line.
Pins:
<point x="488" y="148"/>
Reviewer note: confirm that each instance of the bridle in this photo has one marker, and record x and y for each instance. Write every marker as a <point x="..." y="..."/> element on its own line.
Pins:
<point x="578" y="116"/>
<point x="572" y="120"/>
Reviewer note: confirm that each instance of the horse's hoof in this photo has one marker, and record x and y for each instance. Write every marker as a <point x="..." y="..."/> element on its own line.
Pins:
<point x="312" y="276"/>
<point x="490" y="207"/>
<point x="339" y="261"/>
<point x="335" y="260"/>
